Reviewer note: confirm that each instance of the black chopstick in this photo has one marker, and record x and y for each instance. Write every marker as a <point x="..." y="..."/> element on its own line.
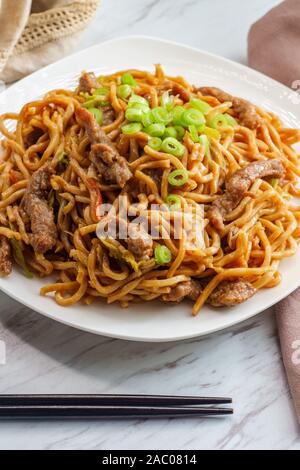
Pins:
<point x="105" y="400"/>
<point x="32" y="411"/>
<point x="110" y="406"/>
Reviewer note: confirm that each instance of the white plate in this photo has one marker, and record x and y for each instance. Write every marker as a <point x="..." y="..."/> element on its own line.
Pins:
<point x="153" y="321"/>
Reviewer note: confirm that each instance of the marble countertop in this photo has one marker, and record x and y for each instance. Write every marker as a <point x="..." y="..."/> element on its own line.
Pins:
<point x="244" y="362"/>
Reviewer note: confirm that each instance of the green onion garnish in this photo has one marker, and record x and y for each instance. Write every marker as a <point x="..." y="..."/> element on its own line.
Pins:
<point x="134" y="114"/>
<point x="124" y="91"/>
<point x="230" y="120"/>
<point x="98" y="115"/>
<point x="170" y="132"/>
<point x="162" y="254"/>
<point x="136" y="99"/>
<point x="173" y="201"/>
<point x="127" y="79"/>
<point x="213" y="133"/>
<point x="180" y="132"/>
<point x="167" y="101"/>
<point x="62" y="157"/>
<point x="193" y="117"/>
<point x="101" y="91"/>
<point x="194" y="133"/>
<point x="274" y="182"/>
<point x="147" y="117"/>
<point x="177" y="113"/>
<point x="155" y="143"/>
<point x="218" y="121"/>
<point x="93" y="102"/>
<point x="203" y="140"/>
<point x="160" y="115"/>
<point x="155" y="130"/>
<point x="18" y="255"/>
<point x="172" y="146"/>
<point x="178" y="177"/>
<point x="132" y="128"/>
<point x="51" y="198"/>
<point x="200" y="105"/>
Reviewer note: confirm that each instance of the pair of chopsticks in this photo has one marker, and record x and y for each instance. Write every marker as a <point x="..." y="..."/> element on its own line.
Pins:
<point x="111" y="406"/>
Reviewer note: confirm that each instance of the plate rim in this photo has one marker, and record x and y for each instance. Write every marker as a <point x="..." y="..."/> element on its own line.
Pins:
<point x="130" y="337"/>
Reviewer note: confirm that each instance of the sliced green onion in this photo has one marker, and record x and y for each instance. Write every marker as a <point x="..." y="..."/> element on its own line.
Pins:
<point x="127" y="79"/>
<point x="170" y="132"/>
<point x="104" y="103"/>
<point x="124" y="91"/>
<point x="92" y="103"/>
<point x="102" y="91"/>
<point x="134" y="114"/>
<point x="173" y="146"/>
<point x="194" y="133"/>
<point x="177" y="114"/>
<point x="193" y="117"/>
<point x="85" y="95"/>
<point x="155" y="143"/>
<point x="173" y="201"/>
<point x="51" y="198"/>
<point x="161" y="115"/>
<point x="218" y="121"/>
<point x="162" y="254"/>
<point x="62" y="156"/>
<point x="101" y="78"/>
<point x="180" y="132"/>
<point x="63" y="162"/>
<point x="213" y="133"/>
<point x="203" y="140"/>
<point x="144" y="108"/>
<point x="178" y="177"/>
<point x="155" y="130"/>
<point x="98" y="115"/>
<point x="167" y="101"/>
<point x="132" y="128"/>
<point x="147" y="117"/>
<point x="274" y="182"/>
<point x="19" y="256"/>
<point x="200" y="105"/>
<point x="230" y="120"/>
<point x="136" y="99"/>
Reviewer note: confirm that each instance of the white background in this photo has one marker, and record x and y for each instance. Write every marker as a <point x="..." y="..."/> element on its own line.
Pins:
<point x="245" y="362"/>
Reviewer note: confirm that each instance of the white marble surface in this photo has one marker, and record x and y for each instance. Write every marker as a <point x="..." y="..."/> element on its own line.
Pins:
<point x="245" y="362"/>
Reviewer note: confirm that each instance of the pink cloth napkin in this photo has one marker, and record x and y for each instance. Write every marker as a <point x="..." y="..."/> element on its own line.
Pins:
<point x="274" y="43"/>
<point x="274" y="49"/>
<point x="288" y="320"/>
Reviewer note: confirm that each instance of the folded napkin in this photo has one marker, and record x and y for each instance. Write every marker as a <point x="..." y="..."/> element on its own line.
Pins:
<point x="35" y="33"/>
<point x="274" y="49"/>
<point x="288" y="320"/>
<point x="274" y="43"/>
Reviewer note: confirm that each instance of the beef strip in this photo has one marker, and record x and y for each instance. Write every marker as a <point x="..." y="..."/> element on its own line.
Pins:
<point x="191" y="289"/>
<point x="139" y="242"/>
<point x="110" y="164"/>
<point x="109" y="115"/>
<point x="226" y="294"/>
<point x="229" y="293"/>
<point x="5" y="257"/>
<point x="156" y="175"/>
<point x="245" y="111"/>
<point x="44" y="231"/>
<point x="33" y="137"/>
<point x="88" y="82"/>
<point x="176" y="89"/>
<point x="238" y="185"/>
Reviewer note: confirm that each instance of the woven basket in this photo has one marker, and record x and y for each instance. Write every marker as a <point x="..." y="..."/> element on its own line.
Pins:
<point x="46" y="34"/>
